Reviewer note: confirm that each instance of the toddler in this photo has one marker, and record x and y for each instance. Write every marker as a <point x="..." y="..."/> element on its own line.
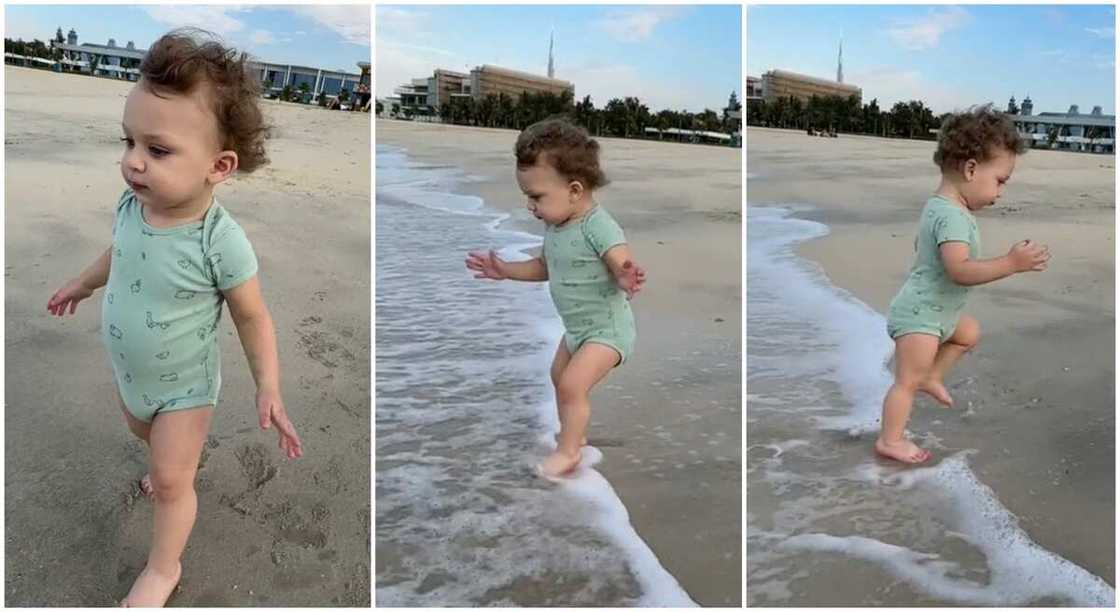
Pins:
<point x="590" y="272"/>
<point x="176" y="256"/>
<point x="976" y="151"/>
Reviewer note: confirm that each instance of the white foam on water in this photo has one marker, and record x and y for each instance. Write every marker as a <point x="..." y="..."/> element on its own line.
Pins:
<point x="585" y="499"/>
<point x="1020" y="570"/>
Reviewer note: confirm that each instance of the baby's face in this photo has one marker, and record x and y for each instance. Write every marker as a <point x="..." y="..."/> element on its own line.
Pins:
<point x="551" y="197"/>
<point x="988" y="180"/>
<point x="171" y="143"/>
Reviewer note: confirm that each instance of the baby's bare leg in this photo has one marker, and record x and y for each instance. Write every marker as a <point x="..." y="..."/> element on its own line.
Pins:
<point x="964" y="339"/>
<point x="587" y="367"/>
<point x="176" y="440"/>
<point x="141" y="430"/>
<point x="914" y="357"/>
<point x="559" y="363"/>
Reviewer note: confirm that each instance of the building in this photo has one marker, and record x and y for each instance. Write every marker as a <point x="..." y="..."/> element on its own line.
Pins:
<point x="753" y="90"/>
<point x="491" y="80"/>
<point x="106" y="60"/>
<point x="329" y="83"/>
<point x="1068" y="131"/>
<point x="426" y="95"/>
<point x="110" y="60"/>
<point x="784" y="84"/>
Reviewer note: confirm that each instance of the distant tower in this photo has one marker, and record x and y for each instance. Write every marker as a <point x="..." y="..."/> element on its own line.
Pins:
<point x="72" y="37"/>
<point x="1011" y="108"/>
<point x="1028" y="106"/>
<point x="551" y="72"/>
<point x="840" y="63"/>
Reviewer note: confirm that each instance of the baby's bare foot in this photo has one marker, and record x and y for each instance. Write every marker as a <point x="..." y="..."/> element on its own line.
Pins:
<point x="937" y="390"/>
<point x="152" y="588"/>
<point x="146" y="485"/>
<point x="559" y="464"/>
<point x="904" y="450"/>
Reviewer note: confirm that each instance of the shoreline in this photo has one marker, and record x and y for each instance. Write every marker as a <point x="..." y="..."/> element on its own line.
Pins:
<point x="1042" y="343"/>
<point x="643" y="438"/>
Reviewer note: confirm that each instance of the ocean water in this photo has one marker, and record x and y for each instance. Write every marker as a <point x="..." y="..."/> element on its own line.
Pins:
<point x="464" y="412"/>
<point x="821" y="510"/>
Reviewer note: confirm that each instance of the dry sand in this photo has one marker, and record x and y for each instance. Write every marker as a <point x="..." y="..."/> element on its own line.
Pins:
<point x="669" y="422"/>
<point x="270" y="532"/>
<point x="1042" y="381"/>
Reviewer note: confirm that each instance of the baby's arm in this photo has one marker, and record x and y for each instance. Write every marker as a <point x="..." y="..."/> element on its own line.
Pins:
<point x="92" y="278"/>
<point x="488" y="265"/>
<point x="1024" y="256"/>
<point x="258" y="338"/>
<point x="629" y="275"/>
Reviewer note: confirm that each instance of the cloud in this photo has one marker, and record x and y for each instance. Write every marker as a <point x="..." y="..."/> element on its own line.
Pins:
<point x="399" y="63"/>
<point x="400" y="22"/>
<point x="262" y="37"/>
<point x="889" y="85"/>
<point x="1102" y="32"/>
<point x="926" y="32"/>
<point x="216" y="19"/>
<point x="350" y="21"/>
<point x="635" y="25"/>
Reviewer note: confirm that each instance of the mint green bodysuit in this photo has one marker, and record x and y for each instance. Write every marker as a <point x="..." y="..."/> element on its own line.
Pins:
<point x="929" y="302"/>
<point x="162" y="304"/>
<point x="589" y="301"/>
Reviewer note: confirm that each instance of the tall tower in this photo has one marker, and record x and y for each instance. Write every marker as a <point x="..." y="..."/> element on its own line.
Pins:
<point x="840" y="63"/>
<point x="551" y="72"/>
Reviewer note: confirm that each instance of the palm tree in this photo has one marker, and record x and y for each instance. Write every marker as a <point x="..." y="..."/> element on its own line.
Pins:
<point x="304" y="89"/>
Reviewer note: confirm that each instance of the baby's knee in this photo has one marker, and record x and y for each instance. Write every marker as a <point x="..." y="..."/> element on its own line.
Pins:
<point x="968" y="332"/>
<point x="907" y="384"/>
<point x="171" y="485"/>
<point x="568" y="391"/>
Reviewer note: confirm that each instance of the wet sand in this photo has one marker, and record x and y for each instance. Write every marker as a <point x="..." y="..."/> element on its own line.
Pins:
<point x="270" y="532"/>
<point x="1036" y="399"/>
<point x="669" y="421"/>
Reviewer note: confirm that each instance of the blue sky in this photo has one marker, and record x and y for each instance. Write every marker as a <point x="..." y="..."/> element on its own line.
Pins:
<point x="330" y="37"/>
<point x="948" y="56"/>
<point x="679" y="57"/>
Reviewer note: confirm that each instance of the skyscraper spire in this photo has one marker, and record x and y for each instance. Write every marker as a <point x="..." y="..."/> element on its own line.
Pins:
<point x="550" y="70"/>
<point x="840" y="63"/>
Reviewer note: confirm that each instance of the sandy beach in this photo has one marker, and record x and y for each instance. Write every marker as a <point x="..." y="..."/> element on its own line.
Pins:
<point x="1035" y="401"/>
<point x="270" y="532"/>
<point x="668" y="423"/>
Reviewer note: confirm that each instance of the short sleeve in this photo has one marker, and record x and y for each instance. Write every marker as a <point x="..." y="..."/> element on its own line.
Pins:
<point x="951" y="226"/>
<point x="231" y="258"/>
<point x="127" y="199"/>
<point x="603" y="232"/>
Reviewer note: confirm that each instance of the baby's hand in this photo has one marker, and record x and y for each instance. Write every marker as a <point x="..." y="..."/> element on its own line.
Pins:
<point x="1028" y="256"/>
<point x="270" y="410"/>
<point x="486" y="265"/>
<point x="68" y="296"/>
<point x="631" y="278"/>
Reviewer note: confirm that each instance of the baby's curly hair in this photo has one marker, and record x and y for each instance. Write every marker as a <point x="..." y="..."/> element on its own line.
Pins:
<point x="181" y="61"/>
<point x="568" y="147"/>
<point x="975" y="134"/>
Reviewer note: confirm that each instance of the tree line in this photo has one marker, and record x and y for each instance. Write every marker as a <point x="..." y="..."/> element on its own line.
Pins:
<point x="911" y="119"/>
<point x="621" y="117"/>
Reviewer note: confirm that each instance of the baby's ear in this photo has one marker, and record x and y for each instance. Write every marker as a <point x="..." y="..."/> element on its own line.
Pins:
<point x="576" y="188"/>
<point x="225" y="164"/>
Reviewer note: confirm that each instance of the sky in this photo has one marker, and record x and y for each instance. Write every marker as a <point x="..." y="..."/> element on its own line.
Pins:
<point x="670" y="57"/>
<point x="951" y="57"/>
<point x="328" y="37"/>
